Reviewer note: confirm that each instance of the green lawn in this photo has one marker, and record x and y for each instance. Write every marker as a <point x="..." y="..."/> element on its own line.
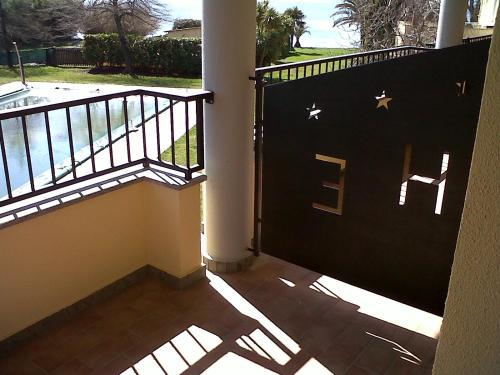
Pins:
<point x="180" y="156"/>
<point x="180" y="150"/>
<point x="78" y="75"/>
<point x="304" y="54"/>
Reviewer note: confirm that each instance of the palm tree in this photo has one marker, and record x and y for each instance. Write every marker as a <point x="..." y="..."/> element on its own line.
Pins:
<point x="295" y="17"/>
<point x="376" y="20"/>
<point x="271" y="34"/>
<point x="300" y="30"/>
<point x="349" y="13"/>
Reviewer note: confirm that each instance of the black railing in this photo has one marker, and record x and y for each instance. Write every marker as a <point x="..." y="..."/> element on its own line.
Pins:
<point x="466" y="40"/>
<point x="303" y="69"/>
<point x="46" y="147"/>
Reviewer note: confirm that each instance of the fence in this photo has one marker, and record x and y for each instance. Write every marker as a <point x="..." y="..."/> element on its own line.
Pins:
<point x="287" y="72"/>
<point x="466" y="40"/>
<point x="47" y="147"/>
<point x="54" y="56"/>
<point x="66" y="57"/>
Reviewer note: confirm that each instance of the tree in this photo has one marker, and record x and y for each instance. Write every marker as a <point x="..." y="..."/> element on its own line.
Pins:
<point x="185" y="23"/>
<point x="378" y="21"/>
<point x="300" y="29"/>
<point x="6" y="44"/>
<point x="295" y="19"/>
<point x="102" y="24"/>
<point x="151" y="12"/>
<point x="272" y="34"/>
<point x="41" y="22"/>
<point x="473" y="7"/>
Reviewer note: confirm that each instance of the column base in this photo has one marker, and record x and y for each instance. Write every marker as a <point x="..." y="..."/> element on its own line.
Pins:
<point x="228" y="267"/>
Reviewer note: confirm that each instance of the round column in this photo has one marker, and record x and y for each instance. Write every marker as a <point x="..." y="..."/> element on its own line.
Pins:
<point x="228" y="62"/>
<point x="451" y="24"/>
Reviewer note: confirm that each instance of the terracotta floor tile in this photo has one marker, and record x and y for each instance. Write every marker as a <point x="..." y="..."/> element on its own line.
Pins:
<point x="402" y="367"/>
<point x="148" y="324"/>
<point x="73" y="367"/>
<point x="116" y="366"/>
<point x="105" y="352"/>
<point x="358" y="371"/>
<point x="116" y="333"/>
<point x="77" y="324"/>
<point x="338" y="358"/>
<point x="376" y="358"/>
<point x="117" y="321"/>
<point x="51" y="357"/>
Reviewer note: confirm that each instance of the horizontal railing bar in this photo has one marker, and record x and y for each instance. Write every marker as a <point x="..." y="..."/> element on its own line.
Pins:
<point x="166" y="164"/>
<point x="274" y="68"/>
<point x="31" y="110"/>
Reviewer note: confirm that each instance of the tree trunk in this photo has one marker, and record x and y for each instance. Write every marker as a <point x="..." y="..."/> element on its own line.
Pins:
<point x="297" y="43"/>
<point x="123" y="41"/>
<point x="4" y="36"/>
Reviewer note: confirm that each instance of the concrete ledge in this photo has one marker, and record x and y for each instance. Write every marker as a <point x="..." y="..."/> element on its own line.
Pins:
<point x="228" y="267"/>
<point x="108" y="291"/>
<point x="42" y="204"/>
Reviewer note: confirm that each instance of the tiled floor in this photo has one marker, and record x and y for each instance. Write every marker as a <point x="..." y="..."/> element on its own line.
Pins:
<point x="273" y="318"/>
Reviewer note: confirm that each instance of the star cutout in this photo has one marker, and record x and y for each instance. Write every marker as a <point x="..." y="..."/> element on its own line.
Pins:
<point x="314" y="112"/>
<point x="383" y="101"/>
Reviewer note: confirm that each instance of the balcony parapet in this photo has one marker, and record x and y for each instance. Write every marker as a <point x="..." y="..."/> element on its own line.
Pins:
<point x="75" y="244"/>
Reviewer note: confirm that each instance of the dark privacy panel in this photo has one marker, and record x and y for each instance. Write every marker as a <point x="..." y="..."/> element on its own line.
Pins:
<point x="365" y="170"/>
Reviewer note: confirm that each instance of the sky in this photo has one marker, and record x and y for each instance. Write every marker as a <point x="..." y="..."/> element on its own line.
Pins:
<point x="317" y="17"/>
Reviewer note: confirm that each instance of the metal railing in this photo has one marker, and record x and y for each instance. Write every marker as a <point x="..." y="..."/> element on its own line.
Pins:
<point x="466" y="40"/>
<point x="288" y="72"/>
<point x="46" y="147"/>
<point x="303" y="69"/>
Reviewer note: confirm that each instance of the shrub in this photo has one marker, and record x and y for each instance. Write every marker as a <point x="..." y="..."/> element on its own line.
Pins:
<point x="160" y="55"/>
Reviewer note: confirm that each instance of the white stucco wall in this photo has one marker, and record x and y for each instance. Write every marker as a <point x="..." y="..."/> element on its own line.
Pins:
<point x="53" y="260"/>
<point x="470" y="335"/>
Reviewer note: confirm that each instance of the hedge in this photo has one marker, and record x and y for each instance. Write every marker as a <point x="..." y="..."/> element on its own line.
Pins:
<point x="160" y="55"/>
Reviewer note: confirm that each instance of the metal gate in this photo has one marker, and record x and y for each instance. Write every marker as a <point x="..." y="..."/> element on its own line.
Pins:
<point x="365" y="169"/>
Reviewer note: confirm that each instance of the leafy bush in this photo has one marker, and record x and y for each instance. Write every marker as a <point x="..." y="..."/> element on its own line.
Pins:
<point x="160" y="55"/>
<point x="185" y="23"/>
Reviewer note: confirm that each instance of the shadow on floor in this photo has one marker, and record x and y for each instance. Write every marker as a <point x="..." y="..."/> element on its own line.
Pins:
<point x="274" y="318"/>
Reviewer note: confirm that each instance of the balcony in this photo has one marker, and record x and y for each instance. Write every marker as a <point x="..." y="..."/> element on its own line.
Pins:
<point x="272" y="318"/>
<point x="101" y="257"/>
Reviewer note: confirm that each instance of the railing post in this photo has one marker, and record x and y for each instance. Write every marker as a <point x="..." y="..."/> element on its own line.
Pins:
<point x="259" y="122"/>
<point x="200" y="124"/>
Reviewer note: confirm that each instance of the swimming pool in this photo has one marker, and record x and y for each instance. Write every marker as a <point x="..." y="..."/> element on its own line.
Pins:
<point x="37" y="133"/>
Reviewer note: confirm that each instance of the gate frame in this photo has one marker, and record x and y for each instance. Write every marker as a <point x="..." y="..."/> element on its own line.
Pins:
<point x="283" y="73"/>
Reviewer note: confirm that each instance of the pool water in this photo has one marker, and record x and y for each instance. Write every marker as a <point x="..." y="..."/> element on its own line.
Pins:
<point x="37" y="134"/>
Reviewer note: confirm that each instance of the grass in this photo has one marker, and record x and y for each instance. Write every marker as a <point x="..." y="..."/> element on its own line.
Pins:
<point x="79" y="75"/>
<point x="180" y="150"/>
<point x="180" y="156"/>
<point x="304" y="54"/>
<point x="82" y="75"/>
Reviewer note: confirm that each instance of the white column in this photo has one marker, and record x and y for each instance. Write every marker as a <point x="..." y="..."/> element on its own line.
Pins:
<point x="451" y="24"/>
<point x="228" y="62"/>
